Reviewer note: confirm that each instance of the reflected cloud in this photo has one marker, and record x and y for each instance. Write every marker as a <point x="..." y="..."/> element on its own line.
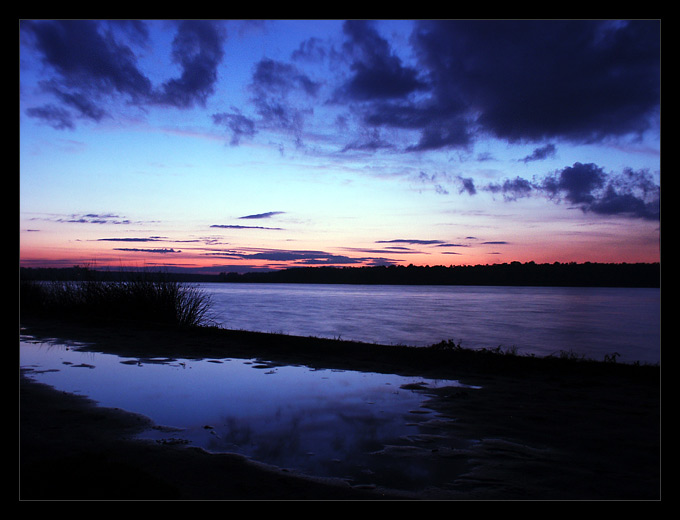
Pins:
<point x="324" y="423"/>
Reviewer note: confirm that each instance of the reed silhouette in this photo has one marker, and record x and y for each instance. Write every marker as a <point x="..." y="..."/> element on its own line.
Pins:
<point x="145" y="299"/>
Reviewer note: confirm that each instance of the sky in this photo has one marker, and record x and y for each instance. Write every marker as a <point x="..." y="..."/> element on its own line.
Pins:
<point x="233" y="145"/>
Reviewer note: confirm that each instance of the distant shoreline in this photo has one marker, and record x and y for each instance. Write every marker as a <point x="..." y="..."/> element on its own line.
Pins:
<point x="529" y="274"/>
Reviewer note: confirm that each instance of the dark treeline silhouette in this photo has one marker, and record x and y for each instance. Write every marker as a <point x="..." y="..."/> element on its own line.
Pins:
<point x="511" y="274"/>
<point x="514" y="274"/>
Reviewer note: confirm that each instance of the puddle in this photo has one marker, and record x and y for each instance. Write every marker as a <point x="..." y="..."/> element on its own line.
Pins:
<point x="367" y="428"/>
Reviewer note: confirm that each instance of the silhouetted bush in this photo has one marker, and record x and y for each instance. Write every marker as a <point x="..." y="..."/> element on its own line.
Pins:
<point x="148" y="300"/>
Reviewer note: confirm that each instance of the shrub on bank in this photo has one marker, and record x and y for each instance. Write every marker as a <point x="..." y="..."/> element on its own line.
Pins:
<point x="141" y="300"/>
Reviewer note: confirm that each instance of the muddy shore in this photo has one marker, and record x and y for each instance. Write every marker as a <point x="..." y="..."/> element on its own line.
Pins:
<point x="543" y="429"/>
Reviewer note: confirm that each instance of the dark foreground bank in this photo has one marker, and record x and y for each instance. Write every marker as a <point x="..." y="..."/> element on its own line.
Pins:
<point x="543" y="428"/>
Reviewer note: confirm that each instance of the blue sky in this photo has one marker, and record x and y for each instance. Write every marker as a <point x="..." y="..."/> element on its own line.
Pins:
<point x="228" y="145"/>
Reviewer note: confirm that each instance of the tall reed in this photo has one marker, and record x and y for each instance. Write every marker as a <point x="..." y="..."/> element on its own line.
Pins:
<point x="140" y="299"/>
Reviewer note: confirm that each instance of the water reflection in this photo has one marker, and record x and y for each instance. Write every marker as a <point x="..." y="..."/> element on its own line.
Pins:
<point x="366" y="427"/>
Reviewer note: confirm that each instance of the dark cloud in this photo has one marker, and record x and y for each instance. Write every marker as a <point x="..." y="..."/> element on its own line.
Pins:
<point x="88" y="64"/>
<point x="281" y="78"/>
<point x="227" y="226"/>
<point x="287" y="256"/>
<point x="57" y="117"/>
<point x="382" y="91"/>
<point x="376" y="72"/>
<point x="90" y="218"/>
<point x="531" y="80"/>
<point x="268" y="214"/>
<point x="369" y="141"/>
<point x="433" y="180"/>
<point x="273" y="85"/>
<point x="150" y="239"/>
<point x="523" y="81"/>
<point x="197" y="48"/>
<point x="303" y="257"/>
<point x="136" y="30"/>
<point x="613" y="203"/>
<point x="84" y="107"/>
<point x="632" y="193"/>
<point x="91" y="62"/>
<point x="409" y="241"/>
<point x="311" y="49"/>
<point x="239" y="125"/>
<point x="84" y="55"/>
<point x="541" y="153"/>
<point x="388" y="250"/>
<point x="158" y="251"/>
<point x="440" y="126"/>
<point x="256" y="216"/>
<point x="467" y="185"/>
<point x="576" y="183"/>
<point x="334" y="260"/>
<point x="384" y="87"/>
<point x="94" y="218"/>
<point x="512" y="189"/>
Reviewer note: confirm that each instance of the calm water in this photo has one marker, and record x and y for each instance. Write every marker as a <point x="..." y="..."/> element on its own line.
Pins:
<point x="325" y="423"/>
<point x="535" y="320"/>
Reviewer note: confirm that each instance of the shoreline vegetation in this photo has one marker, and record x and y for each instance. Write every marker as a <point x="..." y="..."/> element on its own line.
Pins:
<point x="556" y="427"/>
<point x="557" y="274"/>
<point x="141" y="298"/>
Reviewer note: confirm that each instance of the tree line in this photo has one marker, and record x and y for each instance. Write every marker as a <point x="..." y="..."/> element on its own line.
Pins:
<point x="586" y="274"/>
<point x="514" y="274"/>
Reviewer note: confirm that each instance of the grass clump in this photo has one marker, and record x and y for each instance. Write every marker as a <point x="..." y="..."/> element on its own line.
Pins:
<point x="142" y="299"/>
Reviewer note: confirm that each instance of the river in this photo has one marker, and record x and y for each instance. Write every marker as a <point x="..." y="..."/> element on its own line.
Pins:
<point x="590" y="322"/>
